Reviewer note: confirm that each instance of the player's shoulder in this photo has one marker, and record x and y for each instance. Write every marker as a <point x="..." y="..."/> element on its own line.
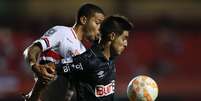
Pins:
<point x="62" y="28"/>
<point x="86" y="56"/>
<point x="56" y="31"/>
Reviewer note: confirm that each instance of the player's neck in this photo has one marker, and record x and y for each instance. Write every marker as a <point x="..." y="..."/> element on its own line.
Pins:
<point x="106" y="50"/>
<point x="78" y="31"/>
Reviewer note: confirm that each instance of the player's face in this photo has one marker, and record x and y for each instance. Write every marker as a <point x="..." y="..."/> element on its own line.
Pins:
<point x="92" y="26"/>
<point x="119" y="43"/>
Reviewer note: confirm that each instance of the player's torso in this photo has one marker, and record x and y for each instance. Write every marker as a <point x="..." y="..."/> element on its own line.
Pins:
<point x="104" y="79"/>
<point x="69" y="46"/>
<point x="100" y="78"/>
<point x="103" y="73"/>
<point x="98" y="84"/>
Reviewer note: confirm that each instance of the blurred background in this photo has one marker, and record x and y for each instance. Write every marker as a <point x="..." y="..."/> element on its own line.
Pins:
<point x="165" y="43"/>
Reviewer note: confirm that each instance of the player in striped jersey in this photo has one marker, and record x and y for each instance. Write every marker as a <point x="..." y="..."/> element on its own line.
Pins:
<point x="57" y="43"/>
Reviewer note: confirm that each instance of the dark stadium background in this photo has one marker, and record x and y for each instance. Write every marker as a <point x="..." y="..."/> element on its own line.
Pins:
<point x="165" y="43"/>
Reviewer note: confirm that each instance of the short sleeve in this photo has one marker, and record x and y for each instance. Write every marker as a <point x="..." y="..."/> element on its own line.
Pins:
<point x="51" y="38"/>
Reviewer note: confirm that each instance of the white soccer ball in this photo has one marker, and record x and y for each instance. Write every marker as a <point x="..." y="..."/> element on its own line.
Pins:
<point x="142" y="88"/>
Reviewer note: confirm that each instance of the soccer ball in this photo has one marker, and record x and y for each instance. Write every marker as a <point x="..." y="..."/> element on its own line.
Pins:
<point x="142" y="88"/>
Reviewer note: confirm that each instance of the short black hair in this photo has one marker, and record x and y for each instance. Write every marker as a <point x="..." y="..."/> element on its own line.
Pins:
<point x="116" y="24"/>
<point x="88" y="10"/>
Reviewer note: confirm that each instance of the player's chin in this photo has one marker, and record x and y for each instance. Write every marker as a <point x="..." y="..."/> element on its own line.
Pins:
<point x="92" y="39"/>
<point x="119" y="53"/>
<point x="122" y="50"/>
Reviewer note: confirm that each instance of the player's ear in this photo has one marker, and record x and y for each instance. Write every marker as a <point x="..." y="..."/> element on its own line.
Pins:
<point x="112" y="36"/>
<point x="83" y="20"/>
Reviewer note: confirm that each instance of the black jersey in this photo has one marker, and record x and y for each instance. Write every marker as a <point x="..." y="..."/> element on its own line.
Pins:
<point x="94" y="75"/>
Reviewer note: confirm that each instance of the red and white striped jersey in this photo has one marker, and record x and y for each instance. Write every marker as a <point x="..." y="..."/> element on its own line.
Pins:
<point x="60" y="42"/>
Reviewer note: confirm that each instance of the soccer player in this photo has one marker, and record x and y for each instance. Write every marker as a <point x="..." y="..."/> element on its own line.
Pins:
<point x="94" y="70"/>
<point x="57" y="43"/>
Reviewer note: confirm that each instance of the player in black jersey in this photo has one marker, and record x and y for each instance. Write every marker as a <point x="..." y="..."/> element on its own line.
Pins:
<point x="94" y="70"/>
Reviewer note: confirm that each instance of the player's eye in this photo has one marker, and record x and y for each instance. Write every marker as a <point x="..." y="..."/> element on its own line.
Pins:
<point x="124" y="38"/>
<point x="97" y="23"/>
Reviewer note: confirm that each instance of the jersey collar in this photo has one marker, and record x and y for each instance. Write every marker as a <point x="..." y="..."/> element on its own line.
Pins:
<point x="74" y="34"/>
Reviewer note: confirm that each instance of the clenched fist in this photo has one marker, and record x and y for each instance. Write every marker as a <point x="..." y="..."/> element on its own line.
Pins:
<point x="45" y="72"/>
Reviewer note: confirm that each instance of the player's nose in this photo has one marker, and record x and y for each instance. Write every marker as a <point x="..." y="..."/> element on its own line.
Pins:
<point x="125" y="44"/>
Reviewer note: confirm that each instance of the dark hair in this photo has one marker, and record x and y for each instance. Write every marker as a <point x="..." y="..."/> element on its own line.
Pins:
<point x="116" y="24"/>
<point x="88" y="10"/>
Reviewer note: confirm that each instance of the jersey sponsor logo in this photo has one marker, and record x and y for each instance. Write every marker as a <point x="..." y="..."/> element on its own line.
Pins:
<point x="77" y="66"/>
<point x="101" y="90"/>
<point x="72" y="67"/>
<point x="100" y="74"/>
<point x="66" y="68"/>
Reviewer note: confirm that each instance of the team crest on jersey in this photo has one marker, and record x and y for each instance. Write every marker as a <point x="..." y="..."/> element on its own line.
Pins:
<point x="50" y="32"/>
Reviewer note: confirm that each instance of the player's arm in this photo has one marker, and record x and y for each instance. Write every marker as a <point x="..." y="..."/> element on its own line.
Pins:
<point x="45" y="73"/>
<point x="78" y="63"/>
<point x="31" y="54"/>
<point x="50" y="39"/>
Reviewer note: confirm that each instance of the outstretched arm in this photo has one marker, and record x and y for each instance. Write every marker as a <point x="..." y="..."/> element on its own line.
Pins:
<point x="45" y="73"/>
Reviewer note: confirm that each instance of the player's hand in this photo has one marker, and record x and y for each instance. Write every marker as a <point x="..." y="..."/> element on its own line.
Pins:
<point x="45" y="72"/>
